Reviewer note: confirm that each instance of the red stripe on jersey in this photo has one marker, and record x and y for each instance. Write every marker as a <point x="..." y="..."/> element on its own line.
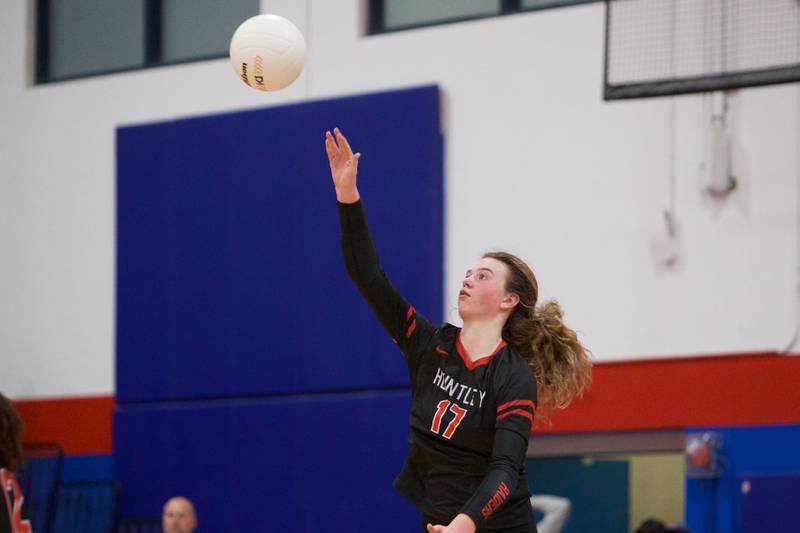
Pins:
<point x="439" y="350"/>
<point x="471" y="365"/>
<point x="410" y="312"/>
<point x="411" y="328"/>
<point x="527" y="403"/>
<point x="520" y="412"/>
<point x="13" y="506"/>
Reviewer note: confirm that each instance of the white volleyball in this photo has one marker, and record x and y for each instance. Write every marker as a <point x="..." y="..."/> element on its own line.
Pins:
<point x="267" y="52"/>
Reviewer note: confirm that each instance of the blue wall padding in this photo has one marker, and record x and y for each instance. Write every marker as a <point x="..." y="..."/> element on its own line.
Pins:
<point x="292" y="464"/>
<point x="86" y="468"/>
<point x="771" y="503"/>
<point x="712" y="504"/>
<point x="230" y="276"/>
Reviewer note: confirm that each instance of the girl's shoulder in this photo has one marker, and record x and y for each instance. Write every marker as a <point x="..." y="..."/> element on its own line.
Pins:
<point x="509" y="356"/>
<point x="510" y="366"/>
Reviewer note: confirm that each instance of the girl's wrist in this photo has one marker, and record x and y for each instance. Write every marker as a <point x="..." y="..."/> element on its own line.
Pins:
<point x="348" y="196"/>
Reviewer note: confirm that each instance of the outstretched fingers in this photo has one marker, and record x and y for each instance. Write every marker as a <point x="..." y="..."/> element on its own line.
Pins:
<point x="330" y="146"/>
<point x="344" y="146"/>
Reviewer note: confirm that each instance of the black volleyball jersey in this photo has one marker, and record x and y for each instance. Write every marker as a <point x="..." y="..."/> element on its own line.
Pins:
<point x="470" y="420"/>
<point x="11" y="505"/>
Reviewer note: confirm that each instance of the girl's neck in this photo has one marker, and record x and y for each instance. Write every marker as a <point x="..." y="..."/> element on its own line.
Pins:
<point x="481" y="337"/>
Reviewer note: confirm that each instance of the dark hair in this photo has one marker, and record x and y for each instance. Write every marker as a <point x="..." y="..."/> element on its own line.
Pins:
<point x="560" y="364"/>
<point x="10" y="435"/>
<point x="651" y="525"/>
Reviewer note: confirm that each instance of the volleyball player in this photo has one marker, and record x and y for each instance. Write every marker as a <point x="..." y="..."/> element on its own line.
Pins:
<point x="475" y="389"/>
<point x="10" y="462"/>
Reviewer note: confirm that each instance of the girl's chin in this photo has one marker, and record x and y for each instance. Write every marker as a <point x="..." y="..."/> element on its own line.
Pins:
<point x="467" y="313"/>
<point x="464" y="312"/>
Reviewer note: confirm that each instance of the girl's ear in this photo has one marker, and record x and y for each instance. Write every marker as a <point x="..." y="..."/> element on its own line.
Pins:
<point x="510" y="301"/>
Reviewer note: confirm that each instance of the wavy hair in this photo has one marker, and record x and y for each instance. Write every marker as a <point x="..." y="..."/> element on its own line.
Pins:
<point x="10" y="436"/>
<point x="560" y="364"/>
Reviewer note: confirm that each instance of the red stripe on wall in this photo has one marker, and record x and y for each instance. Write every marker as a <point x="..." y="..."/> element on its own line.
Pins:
<point x="80" y="425"/>
<point x="736" y="390"/>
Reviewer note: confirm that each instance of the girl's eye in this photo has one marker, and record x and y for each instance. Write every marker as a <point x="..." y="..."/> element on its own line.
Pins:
<point x="481" y="276"/>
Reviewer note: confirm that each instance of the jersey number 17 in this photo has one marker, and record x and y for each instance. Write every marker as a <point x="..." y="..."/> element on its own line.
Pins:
<point x="441" y="407"/>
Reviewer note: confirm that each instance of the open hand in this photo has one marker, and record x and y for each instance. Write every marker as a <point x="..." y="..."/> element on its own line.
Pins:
<point x="344" y="165"/>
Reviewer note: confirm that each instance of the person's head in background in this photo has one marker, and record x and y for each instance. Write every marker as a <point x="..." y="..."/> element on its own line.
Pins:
<point x="651" y="525"/>
<point x="179" y="516"/>
<point x="10" y="436"/>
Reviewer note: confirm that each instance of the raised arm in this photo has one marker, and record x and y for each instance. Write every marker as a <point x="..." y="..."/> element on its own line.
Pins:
<point x="407" y="328"/>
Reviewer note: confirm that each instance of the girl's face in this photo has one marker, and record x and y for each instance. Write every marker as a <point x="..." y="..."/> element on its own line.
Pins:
<point x="483" y="290"/>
